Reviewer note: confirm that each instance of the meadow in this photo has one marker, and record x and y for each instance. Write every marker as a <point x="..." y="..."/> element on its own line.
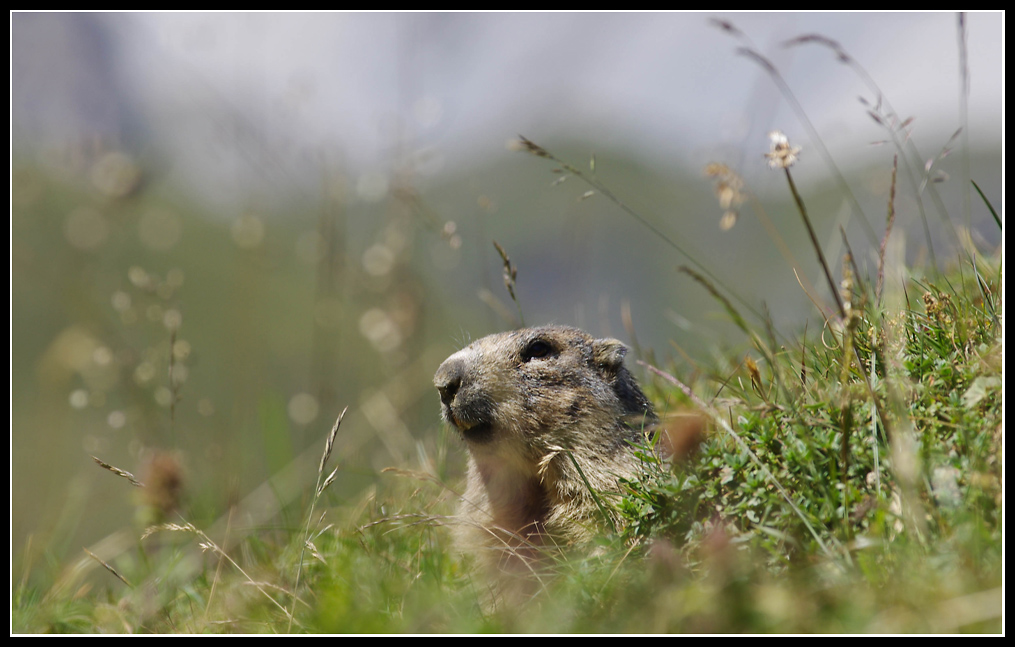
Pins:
<point x="230" y="472"/>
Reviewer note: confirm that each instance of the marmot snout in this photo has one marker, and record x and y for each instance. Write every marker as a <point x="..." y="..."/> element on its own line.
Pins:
<point x="532" y="405"/>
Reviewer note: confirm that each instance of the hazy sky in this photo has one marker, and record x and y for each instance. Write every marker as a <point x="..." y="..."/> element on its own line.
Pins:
<point x="369" y="89"/>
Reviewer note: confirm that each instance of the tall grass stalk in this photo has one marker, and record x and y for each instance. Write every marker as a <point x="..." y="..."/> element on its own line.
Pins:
<point x="322" y="484"/>
<point x="599" y="187"/>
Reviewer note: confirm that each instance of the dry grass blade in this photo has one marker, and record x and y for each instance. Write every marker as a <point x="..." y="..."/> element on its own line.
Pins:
<point x="898" y="129"/>
<point x="422" y="476"/>
<point x="813" y="299"/>
<point x="726" y="26"/>
<point x="418" y="517"/>
<point x="207" y="544"/>
<point x="511" y="275"/>
<point x="330" y="443"/>
<point x="510" y="271"/>
<point x="599" y="187"/>
<point x="314" y="552"/>
<point x="879" y="289"/>
<point x="328" y="481"/>
<point x="850" y="259"/>
<point x="595" y="497"/>
<point x="529" y="146"/>
<point x="814" y="243"/>
<point x="108" y="567"/>
<point x="119" y="472"/>
<point x="322" y="485"/>
<point x="413" y="474"/>
<point x="170" y="527"/>
<point x="733" y="313"/>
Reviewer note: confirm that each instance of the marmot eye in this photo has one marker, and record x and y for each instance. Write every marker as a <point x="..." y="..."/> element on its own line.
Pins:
<point x="536" y="350"/>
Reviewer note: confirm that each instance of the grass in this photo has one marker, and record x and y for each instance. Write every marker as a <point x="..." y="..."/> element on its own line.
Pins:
<point x="850" y="480"/>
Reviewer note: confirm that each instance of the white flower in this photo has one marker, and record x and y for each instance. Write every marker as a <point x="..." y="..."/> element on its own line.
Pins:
<point x="782" y="154"/>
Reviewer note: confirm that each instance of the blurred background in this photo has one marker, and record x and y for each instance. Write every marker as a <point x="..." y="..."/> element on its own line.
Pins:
<point x="225" y="228"/>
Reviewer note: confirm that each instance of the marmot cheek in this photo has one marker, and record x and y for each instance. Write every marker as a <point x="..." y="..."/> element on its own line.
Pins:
<point x="462" y="425"/>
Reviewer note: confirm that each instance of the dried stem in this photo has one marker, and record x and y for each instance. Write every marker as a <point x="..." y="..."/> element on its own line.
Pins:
<point x="322" y="485"/>
<point x="814" y="241"/>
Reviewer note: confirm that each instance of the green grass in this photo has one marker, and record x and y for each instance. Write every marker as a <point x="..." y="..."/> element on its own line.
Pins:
<point x="849" y="482"/>
<point x="842" y="478"/>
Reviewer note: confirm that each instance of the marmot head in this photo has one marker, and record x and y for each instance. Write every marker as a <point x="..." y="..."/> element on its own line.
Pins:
<point x="530" y="389"/>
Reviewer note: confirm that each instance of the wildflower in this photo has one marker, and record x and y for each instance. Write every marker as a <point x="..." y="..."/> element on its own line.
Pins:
<point x="730" y="191"/>
<point x="782" y="154"/>
<point x="752" y="370"/>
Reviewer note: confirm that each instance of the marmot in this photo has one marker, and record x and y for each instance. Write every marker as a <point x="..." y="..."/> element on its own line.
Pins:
<point x="531" y="404"/>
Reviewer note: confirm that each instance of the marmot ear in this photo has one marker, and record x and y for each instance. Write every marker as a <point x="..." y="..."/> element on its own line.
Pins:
<point x="608" y="354"/>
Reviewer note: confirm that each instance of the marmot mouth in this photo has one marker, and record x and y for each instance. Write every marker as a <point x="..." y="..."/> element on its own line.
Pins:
<point x="478" y="431"/>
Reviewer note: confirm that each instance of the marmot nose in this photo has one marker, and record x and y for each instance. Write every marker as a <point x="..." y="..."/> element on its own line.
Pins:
<point x="449" y="379"/>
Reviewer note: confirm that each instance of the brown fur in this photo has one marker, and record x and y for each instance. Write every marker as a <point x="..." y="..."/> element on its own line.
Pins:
<point x="526" y="403"/>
